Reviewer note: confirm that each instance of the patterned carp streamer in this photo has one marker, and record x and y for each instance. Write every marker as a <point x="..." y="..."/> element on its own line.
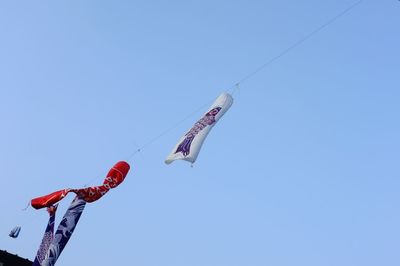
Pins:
<point x="114" y="177"/>
<point x="207" y="120"/>
<point x="53" y="244"/>
<point x="64" y="231"/>
<point x="189" y="145"/>
<point x="47" y="237"/>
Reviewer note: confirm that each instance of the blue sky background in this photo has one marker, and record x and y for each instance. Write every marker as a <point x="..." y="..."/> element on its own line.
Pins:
<point x="303" y="170"/>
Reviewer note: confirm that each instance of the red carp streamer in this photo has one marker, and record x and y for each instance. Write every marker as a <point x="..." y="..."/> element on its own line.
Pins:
<point x="114" y="177"/>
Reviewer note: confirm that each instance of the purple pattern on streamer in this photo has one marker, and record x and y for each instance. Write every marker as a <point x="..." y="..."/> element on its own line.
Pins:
<point x="64" y="231"/>
<point x="46" y="241"/>
<point x="207" y="120"/>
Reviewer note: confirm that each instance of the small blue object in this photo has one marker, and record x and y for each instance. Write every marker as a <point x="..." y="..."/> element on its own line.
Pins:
<point x="15" y="232"/>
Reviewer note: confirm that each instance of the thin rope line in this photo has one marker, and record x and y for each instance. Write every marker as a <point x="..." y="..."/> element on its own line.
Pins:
<point x="296" y="44"/>
<point x="235" y="87"/>
<point x="27" y="206"/>
<point x="101" y="175"/>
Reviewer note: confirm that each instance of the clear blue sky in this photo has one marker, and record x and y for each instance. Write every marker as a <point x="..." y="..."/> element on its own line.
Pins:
<point x="303" y="170"/>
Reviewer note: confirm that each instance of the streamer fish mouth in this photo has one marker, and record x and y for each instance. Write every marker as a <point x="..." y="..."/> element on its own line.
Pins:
<point x="117" y="174"/>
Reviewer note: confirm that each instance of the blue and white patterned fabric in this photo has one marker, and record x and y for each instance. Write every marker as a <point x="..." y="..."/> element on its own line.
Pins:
<point x="47" y="239"/>
<point x="64" y="231"/>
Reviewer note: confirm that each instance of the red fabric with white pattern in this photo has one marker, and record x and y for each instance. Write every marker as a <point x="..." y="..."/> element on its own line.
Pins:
<point x="114" y="177"/>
